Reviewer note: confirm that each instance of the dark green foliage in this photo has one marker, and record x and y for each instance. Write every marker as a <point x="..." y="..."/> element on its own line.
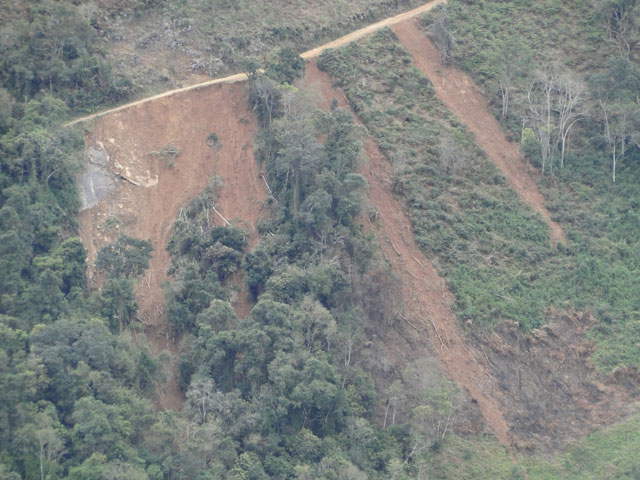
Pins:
<point x="203" y="258"/>
<point x="276" y="381"/>
<point x="285" y="65"/>
<point x="127" y="257"/>
<point x="118" y="303"/>
<point x="55" y="49"/>
<point x="64" y="375"/>
<point x="258" y="267"/>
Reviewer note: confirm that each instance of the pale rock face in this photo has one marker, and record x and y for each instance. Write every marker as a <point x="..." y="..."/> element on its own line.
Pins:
<point x="96" y="181"/>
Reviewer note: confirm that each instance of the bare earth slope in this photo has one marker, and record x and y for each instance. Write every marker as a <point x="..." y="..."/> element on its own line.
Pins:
<point x="149" y="209"/>
<point x="458" y="92"/>
<point x="431" y="324"/>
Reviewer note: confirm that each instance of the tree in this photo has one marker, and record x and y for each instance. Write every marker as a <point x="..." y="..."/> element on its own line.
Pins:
<point x="44" y="434"/>
<point x="540" y="96"/>
<point x="511" y="60"/>
<point x="441" y="34"/>
<point x="264" y="96"/>
<point x="435" y="402"/>
<point x="127" y="257"/>
<point x="119" y="306"/>
<point x="620" y="20"/>
<point x="617" y="92"/>
<point x="571" y="107"/>
<point x="557" y="101"/>
<point x="318" y="326"/>
<point x="452" y="154"/>
<point x="285" y="65"/>
<point x="200" y="398"/>
<point x="299" y="152"/>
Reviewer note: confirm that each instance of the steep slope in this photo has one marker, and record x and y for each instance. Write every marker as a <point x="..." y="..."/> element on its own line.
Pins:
<point x="242" y="77"/>
<point x="149" y="192"/>
<point x="458" y="92"/>
<point x="430" y="325"/>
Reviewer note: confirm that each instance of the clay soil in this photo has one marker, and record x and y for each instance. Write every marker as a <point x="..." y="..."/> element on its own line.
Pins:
<point x="148" y="212"/>
<point x="429" y="326"/>
<point x="458" y="92"/>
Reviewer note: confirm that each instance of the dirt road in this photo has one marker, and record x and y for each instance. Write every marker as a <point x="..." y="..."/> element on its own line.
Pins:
<point x="458" y="92"/>
<point x="241" y="77"/>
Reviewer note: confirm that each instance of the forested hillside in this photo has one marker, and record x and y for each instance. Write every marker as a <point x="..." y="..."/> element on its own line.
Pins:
<point x="309" y="383"/>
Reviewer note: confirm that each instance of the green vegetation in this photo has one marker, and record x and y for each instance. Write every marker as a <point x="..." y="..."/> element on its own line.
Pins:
<point x="74" y="385"/>
<point x="212" y="37"/>
<point x="283" y="393"/>
<point x="586" y="39"/>
<point x="53" y="48"/>
<point x="609" y="453"/>
<point x="168" y="154"/>
<point x="287" y="392"/>
<point x="491" y="248"/>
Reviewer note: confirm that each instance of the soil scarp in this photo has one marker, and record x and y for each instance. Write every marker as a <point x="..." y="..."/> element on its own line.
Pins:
<point x="554" y="392"/>
<point x="159" y="154"/>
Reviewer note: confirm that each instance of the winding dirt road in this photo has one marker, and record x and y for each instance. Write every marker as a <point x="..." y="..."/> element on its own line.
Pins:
<point x="241" y="77"/>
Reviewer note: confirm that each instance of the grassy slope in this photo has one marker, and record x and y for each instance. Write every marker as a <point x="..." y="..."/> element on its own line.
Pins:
<point x="494" y="251"/>
<point x="492" y="248"/>
<point x="601" y="218"/>
<point x="610" y="453"/>
<point x="216" y="34"/>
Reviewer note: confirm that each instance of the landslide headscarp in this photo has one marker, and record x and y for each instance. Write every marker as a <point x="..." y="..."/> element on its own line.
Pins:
<point x="152" y="186"/>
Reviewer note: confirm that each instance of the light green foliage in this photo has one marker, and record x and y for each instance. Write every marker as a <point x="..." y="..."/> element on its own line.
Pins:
<point x="471" y="222"/>
<point x="609" y="453"/>
<point x="492" y="249"/>
<point x="219" y="35"/>
<point x="167" y="155"/>
<point x="600" y="217"/>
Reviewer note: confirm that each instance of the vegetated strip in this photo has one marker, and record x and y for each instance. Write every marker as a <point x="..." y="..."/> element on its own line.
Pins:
<point x="241" y="77"/>
<point x="426" y="297"/>
<point x="460" y="94"/>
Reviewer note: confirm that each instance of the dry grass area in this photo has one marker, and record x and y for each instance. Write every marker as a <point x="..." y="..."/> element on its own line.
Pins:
<point x="171" y="44"/>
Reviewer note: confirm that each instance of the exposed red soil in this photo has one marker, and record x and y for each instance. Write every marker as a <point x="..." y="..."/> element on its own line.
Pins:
<point x="458" y="92"/>
<point x="430" y="324"/>
<point x="148" y="212"/>
<point x="555" y="393"/>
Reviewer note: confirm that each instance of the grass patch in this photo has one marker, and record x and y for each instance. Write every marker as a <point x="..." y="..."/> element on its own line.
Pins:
<point x="492" y="249"/>
<point x="609" y="453"/>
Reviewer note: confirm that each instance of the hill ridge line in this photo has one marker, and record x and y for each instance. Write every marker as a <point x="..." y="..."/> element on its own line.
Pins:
<point x="242" y="77"/>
